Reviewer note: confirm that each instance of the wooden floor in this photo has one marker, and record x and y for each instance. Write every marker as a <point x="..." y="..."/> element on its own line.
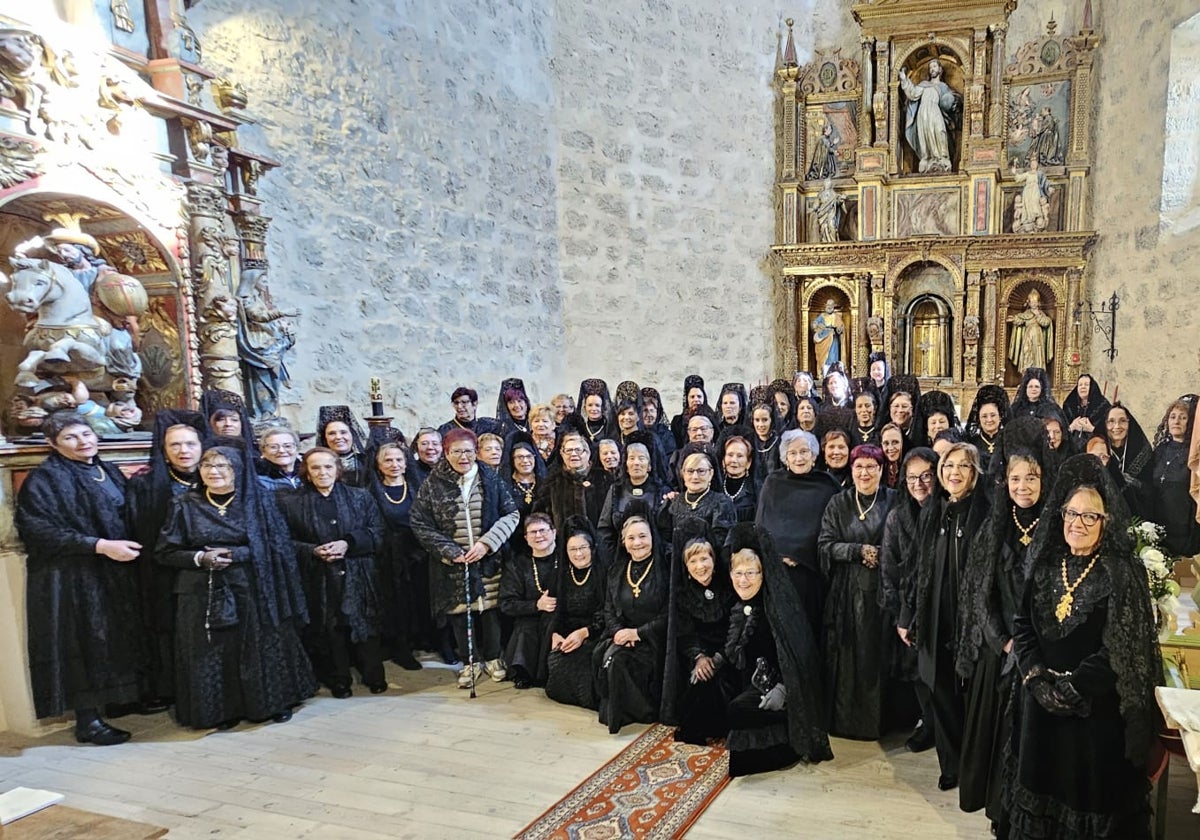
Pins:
<point x="425" y="761"/>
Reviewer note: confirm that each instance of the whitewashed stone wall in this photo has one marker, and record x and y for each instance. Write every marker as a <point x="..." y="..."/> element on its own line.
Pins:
<point x="559" y="189"/>
<point x="415" y="212"/>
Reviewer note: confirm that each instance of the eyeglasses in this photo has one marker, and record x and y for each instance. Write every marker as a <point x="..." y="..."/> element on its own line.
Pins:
<point x="697" y="471"/>
<point x="745" y="575"/>
<point x="869" y="467"/>
<point x="280" y="447"/>
<point x="923" y="478"/>
<point x="221" y="467"/>
<point x="573" y="450"/>
<point x="1089" y="519"/>
<point x="538" y="532"/>
<point x="579" y="549"/>
<point x="458" y="453"/>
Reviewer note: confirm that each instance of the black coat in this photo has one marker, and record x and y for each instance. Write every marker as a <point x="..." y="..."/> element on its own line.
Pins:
<point x="82" y="609"/>
<point x="563" y="495"/>
<point x="616" y="506"/>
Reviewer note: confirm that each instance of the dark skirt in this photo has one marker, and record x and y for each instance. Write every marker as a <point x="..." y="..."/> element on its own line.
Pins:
<point x="985" y="726"/>
<point x="628" y="682"/>
<point x="704" y="708"/>
<point x="854" y="638"/>
<point x="571" y="676"/>
<point x="249" y="670"/>
<point x="529" y="645"/>
<point x="758" y="740"/>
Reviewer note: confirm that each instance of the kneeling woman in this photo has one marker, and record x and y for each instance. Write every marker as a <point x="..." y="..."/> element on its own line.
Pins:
<point x="578" y="616"/>
<point x="776" y="720"/>
<point x="238" y="600"/>
<point x="336" y="531"/>
<point x="629" y="658"/>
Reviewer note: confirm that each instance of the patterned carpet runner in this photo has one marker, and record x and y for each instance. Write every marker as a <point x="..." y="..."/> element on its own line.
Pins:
<point x="654" y="788"/>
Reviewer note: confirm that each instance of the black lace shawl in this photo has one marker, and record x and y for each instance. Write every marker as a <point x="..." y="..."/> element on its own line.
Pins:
<point x="739" y="391"/>
<point x="1096" y="408"/>
<point x="216" y="399"/>
<point x="799" y="659"/>
<point x="1045" y="405"/>
<point x="1161" y="435"/>
<point x="1137" y="454"/>
<point x="987" y="394"/>
<point x="1129" y="636"/>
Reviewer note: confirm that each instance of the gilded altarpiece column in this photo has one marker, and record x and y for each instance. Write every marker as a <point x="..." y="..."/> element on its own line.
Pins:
<point x="791" y="357"/>
<point x="211" y="250"/>
<point x="990" y="278"/>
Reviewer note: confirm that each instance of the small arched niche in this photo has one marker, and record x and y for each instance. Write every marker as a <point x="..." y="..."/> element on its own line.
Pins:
<point x="928" y="329"/>
<point x="1031" y="321"/>
<point x="830" y="325"/>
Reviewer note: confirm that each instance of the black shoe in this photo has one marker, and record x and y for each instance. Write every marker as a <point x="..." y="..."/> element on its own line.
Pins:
<point x="153" y="706"/>
<point x="101" y="734"/>
<point x="341" y="692"/>
<point x="450" y="657"/>
<point x="378" y="688"/>
<point x="947" y="782"/>
<point x="522" y="682"/>
<point x="407" y="661"/>
<point x="920" y="740"/>
<point x="282" y="717"/>
<point x="226" y="725"/>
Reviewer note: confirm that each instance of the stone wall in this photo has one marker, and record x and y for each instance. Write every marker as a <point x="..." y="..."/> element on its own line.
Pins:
<point x="415" y="211"/>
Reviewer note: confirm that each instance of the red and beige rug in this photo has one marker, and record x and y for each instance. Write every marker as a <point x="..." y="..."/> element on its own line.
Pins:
<point x="654" y="788"/>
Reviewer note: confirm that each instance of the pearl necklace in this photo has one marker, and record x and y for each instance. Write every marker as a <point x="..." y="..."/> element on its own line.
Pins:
<point x="725" y="488"/>
<point x="586" y="575"/>
<point x="1025" y="532"/>
<point x="403" y="495"/>
<point x="692" y="504"/>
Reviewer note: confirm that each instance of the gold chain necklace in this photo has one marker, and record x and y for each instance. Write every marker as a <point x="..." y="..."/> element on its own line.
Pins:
<point x="586" y="575"/>
<point x="636" y="586"/>
<point x="176" y="478"/>
<point x="1025" y="532"/>
<point x="990" y="444"/>
<point x="403" y="495"/>
<point x="537" y="580"/>
<point x="1063" y="610"/>
<point x="220" y="507"/>
<point x="862" y="514"/>
<point x="692" y="504"/>
<point x="527" y="489"/>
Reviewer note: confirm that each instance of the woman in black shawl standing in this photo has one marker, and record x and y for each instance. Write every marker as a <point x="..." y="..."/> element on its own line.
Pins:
<point x="700" y="497"/>
<point x="1084" y="409"/>
<point x="629" y="657"/>
<point x="522" y="470"/>
<point x="777" y="718"/>
<point x="738" y="482"/>
<point x="578" y="615"/>
<point x="855" y="630"/>
<point x="1130" y="459"/>
<point x="639" y="481"/>
<point x="339" y="431"/>
<point x="1174" y="506"/>
<point x="1033" y="397"/>
<point x="336" y="531"/>
<point x="703" y="598"/>
<point x="596" y="409"/>
<point x="403" y="572"/>
<point x="985" y="420"/>
<point x="655" y="421"/>
<point x="238" y="600"/>
<point x="1085" y="717"/>
<point x="174" y="457"/>
<point x="694" y="396"/>
<point x="81" y="590"/>
<point x="731" y="406"/>
<point x="992" y="584"/>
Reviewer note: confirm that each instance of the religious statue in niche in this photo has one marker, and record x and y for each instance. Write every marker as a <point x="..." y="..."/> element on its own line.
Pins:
<point x="933" y="110"/>
<point x="1031" y="342"/>
<point x="82" y="335"/>
<point x="825" y="154"/>
<point x="827" y="331"/>
<point x="829" y="212"/>
<point x="1031" y="208"/>
<point x="264" y="335"/>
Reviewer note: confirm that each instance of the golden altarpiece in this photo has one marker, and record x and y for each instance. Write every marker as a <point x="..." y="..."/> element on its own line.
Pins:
<point x="114" y="135"/>
<point x="932" y="197"/>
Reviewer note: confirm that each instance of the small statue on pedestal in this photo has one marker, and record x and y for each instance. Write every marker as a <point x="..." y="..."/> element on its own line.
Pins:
<point x="264" y="335"/>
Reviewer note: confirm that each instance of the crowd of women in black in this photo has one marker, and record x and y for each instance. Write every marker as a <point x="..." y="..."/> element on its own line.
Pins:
<point x="766" y="571"/>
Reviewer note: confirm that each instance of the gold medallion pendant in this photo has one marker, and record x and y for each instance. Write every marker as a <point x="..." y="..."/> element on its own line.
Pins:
<point x="1063" y="610"/>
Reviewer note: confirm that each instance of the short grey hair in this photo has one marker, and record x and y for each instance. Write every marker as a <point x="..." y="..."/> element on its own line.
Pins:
<point x="791" y="436"/>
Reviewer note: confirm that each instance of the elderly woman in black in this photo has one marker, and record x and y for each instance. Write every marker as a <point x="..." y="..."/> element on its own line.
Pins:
<point x="1033" y="397"/>
<point x="985" y="420"/>
<point x="339" y="431"/>
<point x="992" y="584"/>
<point x="463" y="516"/>
<point x="948" y="525"/>
<point x="404" y="574"/>
<point x="1085" y="717"/>
<point x="700" y="497"/>
<point x="337" y="531"/>
<point x="777" y="718"/>
<point x="578" y="615"/>
<point x="638" y="482"/>
<point x="694" y="396"/>
<point x="630" y="656"/>
<point x="731" y="405"/>
<point x="1130" y="459"/>
<point x="226" y="414"/>
<point x="1174" y="507"/>
<point x="898" y="581"/>
<point x="703" y="597"/>
<point x="238" y="600"/>
<point x="1084" y="410"/>
<point x="735" y="454"/>
<point x="528" y="595"/>
<point x="805" y="416"/>
<point x="855" y="632"/>
<point x="790" y="508"/>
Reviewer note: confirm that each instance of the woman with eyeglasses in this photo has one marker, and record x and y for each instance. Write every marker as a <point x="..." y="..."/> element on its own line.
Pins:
<point x="948" y="525"/>
<point x="1130" y="459"/>
<point x="701" y="497"/>
<point x="790" y="508"/>
<point x="1085" y="717"/>
<point x="278" y="469"/>
<point x="991" y="590"/>
<point x="578" y="616"/>
<point x="897" y="584"/>
<point x="777" y="715"/>
<point x="849" y="546"/>
<point x="528" y="596"/>
<point x="639" y="481"/>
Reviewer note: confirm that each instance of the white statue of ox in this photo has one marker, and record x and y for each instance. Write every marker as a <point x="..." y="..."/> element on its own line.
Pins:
<point x="66" y="337"/>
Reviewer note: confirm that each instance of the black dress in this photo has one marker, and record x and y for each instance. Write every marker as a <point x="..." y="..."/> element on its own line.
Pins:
<point x="743" y="494"/>
<point x="522" y="583"/>
<point x="82" y="609"/>
<point x="758" y="739"/>
<point x="403" y="572"/>
<point x="702" y="630"/>
<point x="1174" y="507"/>
<point x="713" y="509"/>
<point x="620" y="497"/>
<point x="571" y="678"/>
<point x="252" y="667"/>
<point x="629" y="680"/>
<point x="855" y="630"/>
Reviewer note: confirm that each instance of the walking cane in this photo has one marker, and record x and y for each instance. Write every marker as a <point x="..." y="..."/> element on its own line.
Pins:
<point x="470" y="625"/>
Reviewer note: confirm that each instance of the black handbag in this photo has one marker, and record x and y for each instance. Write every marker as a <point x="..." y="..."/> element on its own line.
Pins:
<point x="221" y="610"/>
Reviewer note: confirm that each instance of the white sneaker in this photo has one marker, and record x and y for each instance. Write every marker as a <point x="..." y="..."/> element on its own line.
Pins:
<point x="498" y="671"/>
<point x="464" y="676"/>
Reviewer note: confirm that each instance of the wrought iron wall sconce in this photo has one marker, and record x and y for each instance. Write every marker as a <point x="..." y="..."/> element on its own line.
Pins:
<point x="1104" y="321"/>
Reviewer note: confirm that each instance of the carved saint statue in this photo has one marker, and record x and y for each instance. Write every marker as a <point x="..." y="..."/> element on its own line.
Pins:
<point x="263" y="336"/>
<point x="828" y="329"/>
<point x="829" y="212"/>
<point x="1046" y="141"/>
<point x="1031" y="210"/>
<point x="932" y="110"/>
<point x="824" y="157"/>
<point x="1031" y="342"/>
